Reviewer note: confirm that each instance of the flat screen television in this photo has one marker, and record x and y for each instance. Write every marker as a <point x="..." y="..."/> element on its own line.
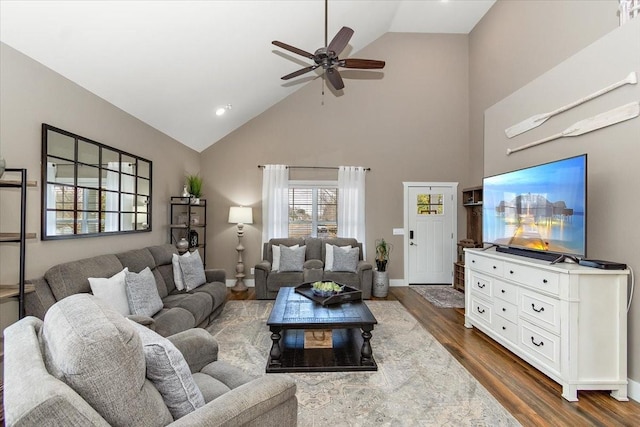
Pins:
<point x="539" y="211"/>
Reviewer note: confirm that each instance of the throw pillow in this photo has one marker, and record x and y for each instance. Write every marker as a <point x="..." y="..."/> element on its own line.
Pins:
<point x="142" y="293"/>
<point x="169" y="372"/>
<point x="112" y="291"/>
<point x="275" y="250"/>
<point x="292" y="259"/>
<point x="177" y="271"/>
<point x="192" y="271"/>
<point x="328" y="255"/>
<point x="346" y="260"/>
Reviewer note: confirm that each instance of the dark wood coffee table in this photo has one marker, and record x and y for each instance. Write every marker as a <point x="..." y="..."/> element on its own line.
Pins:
<point x="351" y="324"/>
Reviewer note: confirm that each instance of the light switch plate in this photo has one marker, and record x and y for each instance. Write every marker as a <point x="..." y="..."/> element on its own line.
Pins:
<point x="398" y="231"/>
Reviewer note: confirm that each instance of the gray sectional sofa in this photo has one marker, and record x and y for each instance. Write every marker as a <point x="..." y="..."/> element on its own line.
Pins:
<point x="182" y="310"/>
<point x="86" y="365"/>
<point x="268" y="282"/>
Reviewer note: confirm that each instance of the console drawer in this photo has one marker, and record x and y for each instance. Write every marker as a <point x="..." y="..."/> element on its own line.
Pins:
<point x="506" y="329"/>
<point x="505" y="291"/>
<point x="540" y="345"/>
<point x="481" y="284"/>
<point x="506" y="310"/>
<point x="480" y="310"/>
<point x="483" y="264"/>
<point x="543" y="280"/>
<point x="540" y="310"/>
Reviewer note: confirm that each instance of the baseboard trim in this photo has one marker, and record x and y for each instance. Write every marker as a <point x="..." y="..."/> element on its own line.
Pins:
<point x="397" y="282"/>
<point x="633" y="390"/>
<point x="251" y="283"/>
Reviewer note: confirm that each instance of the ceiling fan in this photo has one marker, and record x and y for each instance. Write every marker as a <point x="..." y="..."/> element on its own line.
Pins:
<point x="327" y="56"/>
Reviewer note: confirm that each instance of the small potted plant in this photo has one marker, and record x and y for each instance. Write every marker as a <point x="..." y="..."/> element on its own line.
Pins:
<point x="380" y="275"/>
<point x="194" y="186"/>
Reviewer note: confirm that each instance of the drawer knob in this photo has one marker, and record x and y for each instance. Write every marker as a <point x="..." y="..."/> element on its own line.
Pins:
<point x="494" y="267"/>
<point x="480" y="310"/>
<point x="510" y="271"/>
<point x="540" y="310"/>
<point x="481" y="285"/>
<point x="540" y="344"/>
<point x="503" y="291"/>
<point x="504" y="309"/>
<point x="473" y="261"/>
<point x="544" y="280"/>
<point x="504" y="328"/>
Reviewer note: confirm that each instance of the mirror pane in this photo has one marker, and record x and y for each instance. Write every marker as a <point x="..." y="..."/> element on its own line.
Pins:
<point x="143" y="186"/>
<point x="128" y="203"/>
<point x="88" y="176"/>
<point x="88" y="222"/>
<point x="63" y="223"/>
<point x="130" y="162"/>
<point x="128" y="221"/>
<point x="110" y="180"/>
<point x="144" y="169"/>
<point x="88" y="199"/>
<point x="59" y="170"/>
<point x="60" y="145"/>
<point x="110" y="159"/>
<point x="88" y="153"/>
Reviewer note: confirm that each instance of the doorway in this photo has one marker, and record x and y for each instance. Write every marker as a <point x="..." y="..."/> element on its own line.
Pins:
<point x="430" y="231"/>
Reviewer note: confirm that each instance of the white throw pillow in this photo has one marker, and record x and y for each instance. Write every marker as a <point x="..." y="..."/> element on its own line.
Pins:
<point x="112" y="291"/>
<point x="275" y="250"/>
<point x="177" y="270"/>
<point x="168" y="370"/>
<point x="328" y="255"/>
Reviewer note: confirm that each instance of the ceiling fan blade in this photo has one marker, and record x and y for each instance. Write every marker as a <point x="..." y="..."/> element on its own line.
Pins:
<point x="293" y="49"/>
<point x="364" y="64"/>
<point x="299" y="72"/>
<point x="340" y="41"/>
<point x="334" y="78"/>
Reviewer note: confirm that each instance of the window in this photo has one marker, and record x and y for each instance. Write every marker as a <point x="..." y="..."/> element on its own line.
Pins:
<point x="313" y="209"/>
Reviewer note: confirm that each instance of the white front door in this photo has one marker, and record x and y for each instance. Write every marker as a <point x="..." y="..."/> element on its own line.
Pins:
<point x="430" y="232"/>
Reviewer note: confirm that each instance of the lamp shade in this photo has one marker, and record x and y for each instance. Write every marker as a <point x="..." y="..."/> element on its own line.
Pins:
<point x="240" y="215"/>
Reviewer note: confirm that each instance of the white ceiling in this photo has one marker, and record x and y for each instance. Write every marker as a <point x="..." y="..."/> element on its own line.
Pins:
<point x="171" y="64"/>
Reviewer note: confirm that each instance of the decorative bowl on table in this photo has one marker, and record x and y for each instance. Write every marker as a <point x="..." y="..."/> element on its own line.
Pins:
<point x="326" y="289"/>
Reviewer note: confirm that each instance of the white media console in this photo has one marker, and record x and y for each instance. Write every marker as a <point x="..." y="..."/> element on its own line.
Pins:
<point x="568" y="321"/>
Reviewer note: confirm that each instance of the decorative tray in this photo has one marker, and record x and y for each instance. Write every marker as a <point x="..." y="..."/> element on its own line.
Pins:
<point x="348" y="294"/>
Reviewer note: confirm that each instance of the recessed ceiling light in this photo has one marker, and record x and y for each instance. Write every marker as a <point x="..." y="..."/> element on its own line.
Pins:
<point x="220" y="111"/>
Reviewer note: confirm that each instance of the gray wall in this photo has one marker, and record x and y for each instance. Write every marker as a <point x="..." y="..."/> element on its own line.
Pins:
<point x="31" y="94"/>
<point x="613" y="152"/>
<point x="403" y="132"/>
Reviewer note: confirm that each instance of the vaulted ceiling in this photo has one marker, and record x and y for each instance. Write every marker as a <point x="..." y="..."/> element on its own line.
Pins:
<point x="172" y="64"/>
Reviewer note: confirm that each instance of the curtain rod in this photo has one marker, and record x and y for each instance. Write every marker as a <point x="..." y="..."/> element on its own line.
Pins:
<point x="313" y="167"/>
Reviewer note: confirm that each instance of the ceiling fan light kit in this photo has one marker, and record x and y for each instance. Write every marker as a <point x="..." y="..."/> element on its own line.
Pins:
<point x="327" y="57"/>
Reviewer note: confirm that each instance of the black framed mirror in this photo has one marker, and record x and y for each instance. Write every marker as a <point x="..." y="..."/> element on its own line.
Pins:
<point x="90" y="189"/>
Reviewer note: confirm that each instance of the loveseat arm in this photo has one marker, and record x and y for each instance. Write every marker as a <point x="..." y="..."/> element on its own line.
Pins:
<point x="262" y="270"/>
<point x="143" y="320"/>
<point x="268" y="400"/>
<point x="264" y="265"/>
<point x="215" y="275"/>
<point x="197" y="346"/>
<point x="365" y="273"/>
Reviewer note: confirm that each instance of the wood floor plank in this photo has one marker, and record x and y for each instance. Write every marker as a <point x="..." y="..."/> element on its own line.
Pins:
<point x="530" y="396"/>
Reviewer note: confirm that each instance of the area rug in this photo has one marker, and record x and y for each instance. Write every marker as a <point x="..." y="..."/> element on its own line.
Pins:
<point x="418" y="383"/>
<point x="442" y="296"/>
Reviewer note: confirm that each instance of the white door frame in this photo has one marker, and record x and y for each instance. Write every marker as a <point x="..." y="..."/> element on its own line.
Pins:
<point x="405" y="245"/>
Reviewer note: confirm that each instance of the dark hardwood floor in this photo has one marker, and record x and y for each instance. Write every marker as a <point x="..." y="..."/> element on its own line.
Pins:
<point x="531" y="397"/>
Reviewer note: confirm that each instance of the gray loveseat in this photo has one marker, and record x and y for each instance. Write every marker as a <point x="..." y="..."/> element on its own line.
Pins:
<point x="182" y="310"/>
<point x="86" y="365"/>
<point x="268" y="282"/>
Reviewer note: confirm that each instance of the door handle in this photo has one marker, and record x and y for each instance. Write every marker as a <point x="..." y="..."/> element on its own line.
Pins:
<point x="413" y="244"/>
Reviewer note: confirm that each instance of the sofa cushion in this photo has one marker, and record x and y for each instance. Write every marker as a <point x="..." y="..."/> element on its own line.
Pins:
<point x="142" y="293"/>
<point x="346" y="259"/>
<point x="169" y="372"/>
<point x="139" y="259"/>
<point x="329" y="249"/>
<point x="73" y="277"/>
<point x="192" y="271"/>
<point x="288" y="278"/>
<point x="199" y="305"/>
<point x="97" y="352"/>
<point x="162" y="255"/>
<point x="292" y="259"/>
<point x="112" y="291"/>
<point x="275" y="265"/>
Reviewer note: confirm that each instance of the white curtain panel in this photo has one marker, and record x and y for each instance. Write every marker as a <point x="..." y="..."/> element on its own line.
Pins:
<point x="275" y="202"/>
<point x="113" y="184"/>
<point x="351" y="203"/>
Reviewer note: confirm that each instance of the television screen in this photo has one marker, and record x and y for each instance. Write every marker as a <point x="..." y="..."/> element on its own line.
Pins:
<point x="540" y="208"/>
